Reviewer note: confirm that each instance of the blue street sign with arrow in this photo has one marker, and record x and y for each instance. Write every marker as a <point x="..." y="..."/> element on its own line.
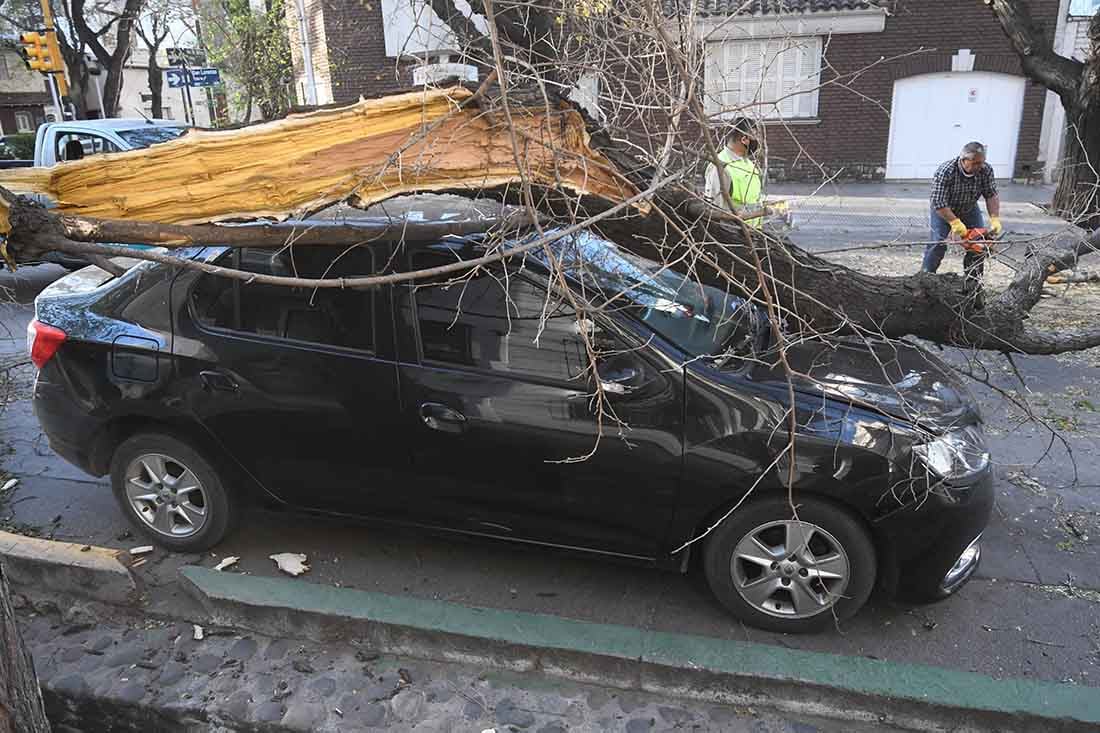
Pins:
<point x="177" y="78"/>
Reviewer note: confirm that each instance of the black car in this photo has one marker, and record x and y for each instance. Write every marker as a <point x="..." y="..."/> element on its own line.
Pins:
<point x="468" y="405"/>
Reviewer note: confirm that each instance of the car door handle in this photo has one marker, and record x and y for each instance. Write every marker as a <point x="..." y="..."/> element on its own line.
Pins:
<point x="442" y="418"/>
<point x="219" y="381"/>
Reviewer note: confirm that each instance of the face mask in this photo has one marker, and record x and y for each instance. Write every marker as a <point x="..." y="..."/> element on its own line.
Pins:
<point x="963" y="171"/>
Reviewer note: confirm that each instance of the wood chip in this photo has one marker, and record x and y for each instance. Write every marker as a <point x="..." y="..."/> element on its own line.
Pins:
<point x="197" y="632"/>
<point x="291" y="563"/>
<point x="9" y="485"/>
<point x="227" y="562"/>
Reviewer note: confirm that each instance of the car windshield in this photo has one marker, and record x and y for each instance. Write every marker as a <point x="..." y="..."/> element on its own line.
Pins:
<point x="700" y="319"/>
<point x="143" y="137"/>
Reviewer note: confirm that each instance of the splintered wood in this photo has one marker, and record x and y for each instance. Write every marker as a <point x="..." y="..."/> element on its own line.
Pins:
<point x="365" y="152"/>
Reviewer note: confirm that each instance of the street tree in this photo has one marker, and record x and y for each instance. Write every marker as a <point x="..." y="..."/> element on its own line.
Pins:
<point x="1077" y="85"/>
<point x="251" y="49"/>
<point x="160" y="21"/>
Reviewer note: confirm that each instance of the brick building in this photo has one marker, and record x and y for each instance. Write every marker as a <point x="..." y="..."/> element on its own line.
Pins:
<point x="24" y="99"/>
<point x="874" y="88"/>
<point x="865" y="88"/>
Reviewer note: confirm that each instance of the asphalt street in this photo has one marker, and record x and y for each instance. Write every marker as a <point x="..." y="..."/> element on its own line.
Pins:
<point x="1033" y="610"/>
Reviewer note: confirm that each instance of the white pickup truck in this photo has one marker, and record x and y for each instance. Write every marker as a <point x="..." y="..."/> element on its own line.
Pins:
<point x="57" y="142"/>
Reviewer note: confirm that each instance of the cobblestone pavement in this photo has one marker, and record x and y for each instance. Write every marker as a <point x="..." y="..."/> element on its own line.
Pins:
<point x="157" y="673"/>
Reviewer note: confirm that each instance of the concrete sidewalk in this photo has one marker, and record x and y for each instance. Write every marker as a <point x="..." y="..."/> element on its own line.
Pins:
<point x="128" y="673"/>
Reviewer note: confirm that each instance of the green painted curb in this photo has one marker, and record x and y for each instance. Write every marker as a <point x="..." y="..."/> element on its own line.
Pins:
<point x="926" y="685"/>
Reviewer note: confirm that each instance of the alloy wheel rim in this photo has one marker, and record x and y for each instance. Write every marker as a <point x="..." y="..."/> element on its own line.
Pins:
<point x="790" y="569"/>
<point x="166" y="495"/>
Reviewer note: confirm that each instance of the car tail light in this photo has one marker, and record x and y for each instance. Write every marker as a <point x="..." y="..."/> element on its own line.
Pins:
<point x="43" y="342"/>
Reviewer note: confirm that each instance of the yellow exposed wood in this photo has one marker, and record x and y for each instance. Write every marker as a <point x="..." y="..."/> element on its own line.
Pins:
<point x="369" y="151"/>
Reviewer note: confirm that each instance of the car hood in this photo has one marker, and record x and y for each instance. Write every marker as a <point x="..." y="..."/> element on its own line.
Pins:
<point x="896" y="378"/>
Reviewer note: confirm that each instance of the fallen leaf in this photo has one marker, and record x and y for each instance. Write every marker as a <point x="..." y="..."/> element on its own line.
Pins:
<point x="227" y="562"/>
<point x="9" y="484"/>
<point x="143" y="550"/>
<point x="291" y="563"/>
<point x="197" y="632"/>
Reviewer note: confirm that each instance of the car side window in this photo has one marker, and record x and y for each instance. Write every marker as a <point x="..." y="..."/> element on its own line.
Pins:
<point x="497" y="324"/>
<point x="74" y="146"/>
<point x="332" y="316"/>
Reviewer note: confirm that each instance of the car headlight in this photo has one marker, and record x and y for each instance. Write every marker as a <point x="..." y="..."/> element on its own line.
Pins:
<point x="959" y="454"/>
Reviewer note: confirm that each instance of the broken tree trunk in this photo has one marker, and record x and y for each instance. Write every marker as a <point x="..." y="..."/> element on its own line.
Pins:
<point x="21" y="706"/>
<point x="542" y="152"/>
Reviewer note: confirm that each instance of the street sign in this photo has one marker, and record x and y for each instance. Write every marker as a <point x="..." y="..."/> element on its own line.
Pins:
<point x="192" y="77"/>
<point x="204" y="77"/>
<point x="177" y="78"/>
<point x="185" y="57"/>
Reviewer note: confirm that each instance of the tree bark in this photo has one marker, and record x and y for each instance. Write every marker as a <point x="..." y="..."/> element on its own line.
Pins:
<point x="111" y="61"/>
<point x="21" y="706"/>
<point x="1078" y="86"/>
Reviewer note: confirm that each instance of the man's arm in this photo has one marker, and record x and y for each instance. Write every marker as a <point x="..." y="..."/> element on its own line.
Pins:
<point x="947" y="214"/>
<point x="993" y="203"/>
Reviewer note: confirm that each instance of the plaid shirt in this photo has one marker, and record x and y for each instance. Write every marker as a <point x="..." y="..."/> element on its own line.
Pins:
<point x="952" y="189"/>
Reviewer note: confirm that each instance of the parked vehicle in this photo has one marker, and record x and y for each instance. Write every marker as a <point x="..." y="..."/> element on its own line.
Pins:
<point x="454" y="406"/>
<point x="57" y="142"/>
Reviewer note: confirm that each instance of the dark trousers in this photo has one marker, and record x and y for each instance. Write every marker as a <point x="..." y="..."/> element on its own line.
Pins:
<point x="937" y="247"/>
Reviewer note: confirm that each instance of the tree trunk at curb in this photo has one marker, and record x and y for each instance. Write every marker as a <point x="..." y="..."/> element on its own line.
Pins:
<point x="21" y="707"/>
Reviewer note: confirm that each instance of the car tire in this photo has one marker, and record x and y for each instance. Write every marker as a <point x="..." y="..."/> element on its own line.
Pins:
<point x="798" y="595"/>
<point x="187" y="508"/>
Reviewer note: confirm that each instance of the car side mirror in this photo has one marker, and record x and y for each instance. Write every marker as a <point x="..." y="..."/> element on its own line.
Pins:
<point x="620" y="379"/>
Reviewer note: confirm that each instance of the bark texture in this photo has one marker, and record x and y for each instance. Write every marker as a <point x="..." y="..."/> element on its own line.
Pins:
<point x="21" y="706"/>
<point x="1078" y="86"/>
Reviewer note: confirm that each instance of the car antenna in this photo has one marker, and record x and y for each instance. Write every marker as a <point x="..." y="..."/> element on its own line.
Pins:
<point x="147" y="120"/>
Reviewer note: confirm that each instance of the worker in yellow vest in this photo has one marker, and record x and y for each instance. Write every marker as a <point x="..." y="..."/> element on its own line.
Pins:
<point x="738" y="175"/>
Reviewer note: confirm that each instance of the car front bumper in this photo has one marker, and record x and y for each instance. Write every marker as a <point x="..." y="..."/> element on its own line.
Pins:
<point x="932" y="547"/>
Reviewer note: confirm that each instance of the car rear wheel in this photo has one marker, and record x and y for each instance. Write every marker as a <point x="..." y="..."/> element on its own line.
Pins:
<point x="784" y="573"/>
<point x="171" y="492"/>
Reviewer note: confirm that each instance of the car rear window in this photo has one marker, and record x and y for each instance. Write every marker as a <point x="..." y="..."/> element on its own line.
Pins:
<point x="330" y="316"/>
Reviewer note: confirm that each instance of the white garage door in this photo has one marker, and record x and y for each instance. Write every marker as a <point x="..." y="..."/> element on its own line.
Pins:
<point x="934" y="115"/>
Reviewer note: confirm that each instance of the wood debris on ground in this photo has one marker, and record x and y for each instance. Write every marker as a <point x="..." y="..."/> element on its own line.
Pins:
<point x="291" y="563"/>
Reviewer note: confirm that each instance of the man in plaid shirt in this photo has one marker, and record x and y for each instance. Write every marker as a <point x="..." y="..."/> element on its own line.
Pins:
<point x="956" y="188"/>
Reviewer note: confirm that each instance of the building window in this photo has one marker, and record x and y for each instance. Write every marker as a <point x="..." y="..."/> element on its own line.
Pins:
<point x="1083" y="8"/>
<point x="24" y="122"/>
<point x="774" y="78"/>
<point x="411" y="27"/>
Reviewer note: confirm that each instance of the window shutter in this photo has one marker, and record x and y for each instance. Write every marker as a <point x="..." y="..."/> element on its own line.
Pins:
<point x="764" y="78"/>
<point x="809" y="77"/>
<point x="753" y="86"/>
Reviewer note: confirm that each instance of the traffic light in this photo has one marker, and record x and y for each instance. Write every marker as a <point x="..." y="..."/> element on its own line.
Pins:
<point x="57" y="63"/>
<point x="36" y="52"/>
<point x="41" y="52"/>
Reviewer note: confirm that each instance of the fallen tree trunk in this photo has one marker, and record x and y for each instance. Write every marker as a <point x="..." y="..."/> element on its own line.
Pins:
<point x="1070" y="277"/>
<point x="546" y="154"/>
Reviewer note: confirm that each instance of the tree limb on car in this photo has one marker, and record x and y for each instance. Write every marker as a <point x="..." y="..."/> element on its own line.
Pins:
<point x="456" y="140"/>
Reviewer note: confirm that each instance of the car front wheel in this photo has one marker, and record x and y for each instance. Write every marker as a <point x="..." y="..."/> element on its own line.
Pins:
<point x="788" y="571"/>
<point x="171" y="492"/>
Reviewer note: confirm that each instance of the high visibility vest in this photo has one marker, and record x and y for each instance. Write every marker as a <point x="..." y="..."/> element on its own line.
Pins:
<point x="745" y="184"/>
